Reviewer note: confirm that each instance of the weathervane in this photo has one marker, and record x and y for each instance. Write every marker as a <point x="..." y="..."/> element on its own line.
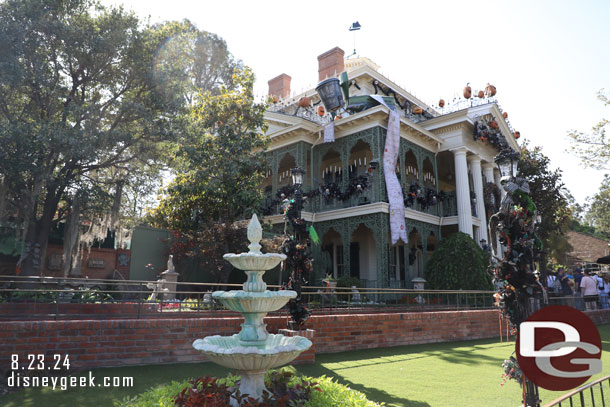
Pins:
<point x="354" y="27"/>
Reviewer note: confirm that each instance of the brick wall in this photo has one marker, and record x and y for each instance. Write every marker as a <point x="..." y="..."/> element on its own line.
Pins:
<point x="586" y="248"/>
<point x="154" y="341"/>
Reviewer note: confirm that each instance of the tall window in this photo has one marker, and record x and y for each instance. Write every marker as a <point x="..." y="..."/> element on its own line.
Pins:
<point x="340" y="261"/>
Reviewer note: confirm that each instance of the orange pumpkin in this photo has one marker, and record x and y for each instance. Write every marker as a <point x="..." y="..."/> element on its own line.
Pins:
<point x="467" y="92"/>
<point x="516" y="134"/>
<point x="321" y="110"/>
<point x="481" y="94"/>
<point x="417" y="110"/>
<point x="505" y="115"/>
<point x="493" y="124"/>
<point x="304" y="102"/>
<point x="275" y="99"/>
<point x="490" y="90"/>
<point x="441" y="103"/>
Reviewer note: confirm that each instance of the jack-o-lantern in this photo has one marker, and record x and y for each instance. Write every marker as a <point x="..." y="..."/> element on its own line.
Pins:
<point x="321" y="110"/>
<point x="493" y="124"/>
<point x="481" y="94"/>
<point x="490" y="90"/>
<point x="505" y="115"/>
<point x="304" y="102"/>
<point x="441" y="103"/>
<point x="417" y="110"/>
<point x="516" y="134"/>
<point x="467" y="92"/>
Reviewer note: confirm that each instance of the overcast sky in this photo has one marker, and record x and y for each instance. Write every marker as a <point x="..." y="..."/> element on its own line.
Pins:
<point x="548" y="59"/>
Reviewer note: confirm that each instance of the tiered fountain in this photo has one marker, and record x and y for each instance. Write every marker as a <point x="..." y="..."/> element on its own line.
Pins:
<point x="253" y="351"/>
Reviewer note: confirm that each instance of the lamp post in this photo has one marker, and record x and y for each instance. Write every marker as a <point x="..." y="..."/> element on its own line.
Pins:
<point x="297" y="309"/>
<point x="519" y="255"/>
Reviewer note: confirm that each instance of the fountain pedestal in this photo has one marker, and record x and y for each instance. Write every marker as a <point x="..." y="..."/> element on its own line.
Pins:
<point x="253" y="351"/>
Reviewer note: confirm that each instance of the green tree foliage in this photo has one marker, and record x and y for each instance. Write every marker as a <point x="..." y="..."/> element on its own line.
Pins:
<point x="190" y="60"/>
<point x="598" y="214"/>
<point x="594" y="148"/>
<point x="551" y="199"/>
<point x="78" y="109"/>
<point x="220" y="160"/>
<point x="458" y="264"/>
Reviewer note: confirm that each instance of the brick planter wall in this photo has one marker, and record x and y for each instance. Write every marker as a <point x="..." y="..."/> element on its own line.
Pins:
<point x="95" y="343"/>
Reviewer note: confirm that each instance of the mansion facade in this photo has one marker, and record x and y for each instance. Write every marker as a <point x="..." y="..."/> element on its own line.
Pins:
<point x="442" y="168"/>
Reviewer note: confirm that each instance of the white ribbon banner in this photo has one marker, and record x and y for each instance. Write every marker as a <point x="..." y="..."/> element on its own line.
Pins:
<point x="398" y="229"/>
<point x="329" y="132"/>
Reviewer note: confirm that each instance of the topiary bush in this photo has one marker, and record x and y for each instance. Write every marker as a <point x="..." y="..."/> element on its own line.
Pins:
<point x="458" y="263"/>
<point x="288" y="389"/>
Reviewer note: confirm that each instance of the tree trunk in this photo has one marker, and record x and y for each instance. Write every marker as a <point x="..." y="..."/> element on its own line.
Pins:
<point x="37" y="236"/>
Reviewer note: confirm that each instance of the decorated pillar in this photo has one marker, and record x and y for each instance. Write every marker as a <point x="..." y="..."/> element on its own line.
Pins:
<point x="477" y="180"/>
<point x="462" y="190"/>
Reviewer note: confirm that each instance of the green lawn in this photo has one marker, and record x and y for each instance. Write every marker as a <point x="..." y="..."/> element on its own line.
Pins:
<point x="449" y="374"/>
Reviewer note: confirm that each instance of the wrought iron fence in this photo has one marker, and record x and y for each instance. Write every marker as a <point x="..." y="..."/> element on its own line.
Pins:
<point x="23" y="298"/>
<point x="591" y="394"/>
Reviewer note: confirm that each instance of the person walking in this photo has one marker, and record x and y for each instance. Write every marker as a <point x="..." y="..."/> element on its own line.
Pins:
<point x="577" y="279"/>
<point x="565" y="282"/>
<point x="588" y="291"/>
<point x="553" y="285"/>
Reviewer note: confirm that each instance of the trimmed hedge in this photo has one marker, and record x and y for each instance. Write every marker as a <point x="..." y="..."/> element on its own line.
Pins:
<point x="458" y="263"/>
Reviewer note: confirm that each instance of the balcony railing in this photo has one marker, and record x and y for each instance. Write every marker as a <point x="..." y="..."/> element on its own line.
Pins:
<point x="321" y="203"/>
<point x="449" y="205"/>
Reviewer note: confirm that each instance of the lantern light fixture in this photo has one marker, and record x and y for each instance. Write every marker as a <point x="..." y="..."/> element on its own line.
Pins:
<point x="297" y="175"/>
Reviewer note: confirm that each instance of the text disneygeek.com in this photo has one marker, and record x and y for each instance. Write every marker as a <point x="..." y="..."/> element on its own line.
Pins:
<point x="15" y="379"/>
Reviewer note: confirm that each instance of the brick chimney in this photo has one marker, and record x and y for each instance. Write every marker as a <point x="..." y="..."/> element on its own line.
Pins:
<point x="280" y="86"/>
<point x="330" y="63"/>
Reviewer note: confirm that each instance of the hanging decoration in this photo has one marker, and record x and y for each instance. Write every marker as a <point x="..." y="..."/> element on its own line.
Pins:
<point x="488" y="132"/>
<point x="329" y="191"/>
<point x="425" y="197"/>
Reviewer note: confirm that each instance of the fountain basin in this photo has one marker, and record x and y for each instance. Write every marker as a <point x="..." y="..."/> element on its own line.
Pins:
<point x="254" y="302"/>
<point x="254" y="261"/>
<point x="229" y="352"/>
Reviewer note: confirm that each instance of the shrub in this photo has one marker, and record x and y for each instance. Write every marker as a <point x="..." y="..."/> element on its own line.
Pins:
<point x="348" y="281"/>
<point x="458" y="263"/>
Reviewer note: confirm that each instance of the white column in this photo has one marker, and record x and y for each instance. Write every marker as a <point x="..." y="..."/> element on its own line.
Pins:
<point x="477" y="180"/>
<point x="462" y="191"/>
<point x="488" y="171"/>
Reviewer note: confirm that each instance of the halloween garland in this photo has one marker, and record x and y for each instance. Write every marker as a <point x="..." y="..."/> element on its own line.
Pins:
<point x="426" y="197"/>
<point x="329" y="191"/>
<point x="489" y="133"/>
